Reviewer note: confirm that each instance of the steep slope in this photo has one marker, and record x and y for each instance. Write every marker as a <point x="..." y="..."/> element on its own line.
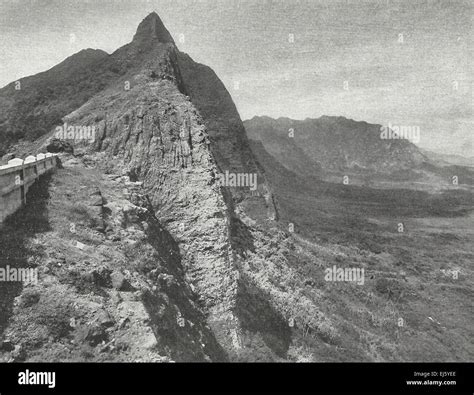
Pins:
<point x="154" y="133"/>
<point x="111" y="284"/>
<point x="285" y="149"/>
<point x="31" y="106"/>
<point x="230" y="146"/>
<point x="148" y="129"/>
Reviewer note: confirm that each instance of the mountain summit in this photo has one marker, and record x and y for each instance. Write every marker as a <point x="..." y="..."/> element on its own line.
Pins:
<point x="152" y="28"/>
<point x="169" y="125"/>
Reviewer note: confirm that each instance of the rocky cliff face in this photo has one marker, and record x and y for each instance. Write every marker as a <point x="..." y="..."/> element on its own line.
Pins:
<point x="170" y="123"/>
<point x="154" y="133"/>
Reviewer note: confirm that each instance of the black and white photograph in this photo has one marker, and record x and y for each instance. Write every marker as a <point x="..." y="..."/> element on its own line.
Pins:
<point x="246" y="182"/>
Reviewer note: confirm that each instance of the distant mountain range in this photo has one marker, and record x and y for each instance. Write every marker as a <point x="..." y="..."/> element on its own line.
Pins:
<point x="331" y="147"/>
<point x="332" y="144"/>
<point x="449" y="159"/>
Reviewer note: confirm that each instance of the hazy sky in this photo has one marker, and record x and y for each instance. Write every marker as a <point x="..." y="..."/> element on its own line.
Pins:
<point x="403" y="62"/>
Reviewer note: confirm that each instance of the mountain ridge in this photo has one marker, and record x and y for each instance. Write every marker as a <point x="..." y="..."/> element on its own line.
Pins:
<point x="334" y="144"/>
<point x="148" y="129"/>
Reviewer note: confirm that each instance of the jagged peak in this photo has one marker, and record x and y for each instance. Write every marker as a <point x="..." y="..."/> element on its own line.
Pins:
<point x="152" y="28"/>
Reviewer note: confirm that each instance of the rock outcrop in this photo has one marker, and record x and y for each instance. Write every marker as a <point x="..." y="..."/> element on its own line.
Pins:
<point x="170" y="124"/>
